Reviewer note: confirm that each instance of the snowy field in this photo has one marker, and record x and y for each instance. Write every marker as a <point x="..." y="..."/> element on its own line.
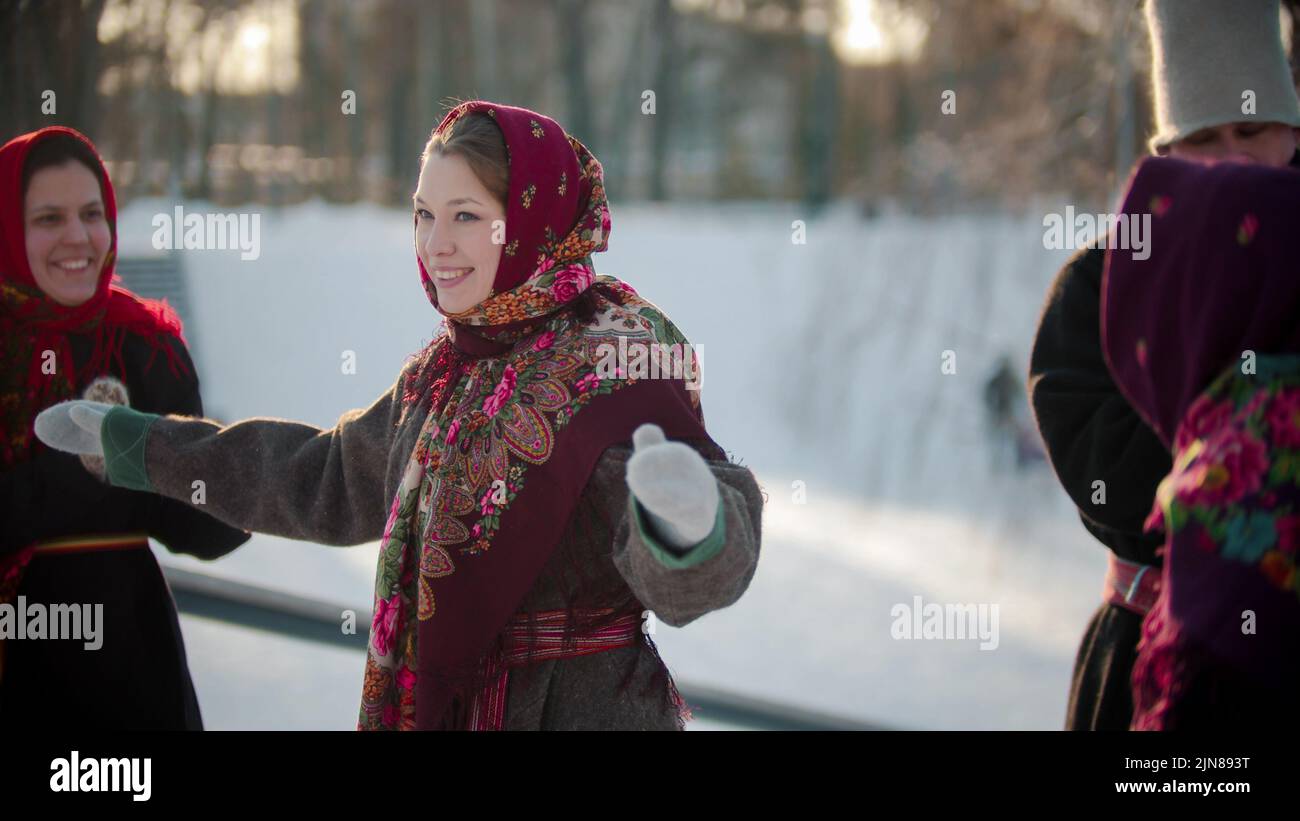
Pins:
<point x="821" y="373"/>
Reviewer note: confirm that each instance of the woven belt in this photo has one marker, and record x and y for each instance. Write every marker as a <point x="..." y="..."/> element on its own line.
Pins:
<point x="540" y="639"/>
<point x="1131" y="585"/>
<point x="89" y="544"/>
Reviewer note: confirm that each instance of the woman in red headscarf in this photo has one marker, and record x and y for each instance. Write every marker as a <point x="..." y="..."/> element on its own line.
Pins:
<point x="518" y="474"/>
<point x="67" y="537"/>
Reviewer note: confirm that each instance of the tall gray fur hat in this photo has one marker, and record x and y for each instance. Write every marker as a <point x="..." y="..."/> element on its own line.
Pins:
<point x="1205" y="54"/>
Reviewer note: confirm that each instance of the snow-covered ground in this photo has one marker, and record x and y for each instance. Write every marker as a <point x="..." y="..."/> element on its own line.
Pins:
<point x="822" y="366"/>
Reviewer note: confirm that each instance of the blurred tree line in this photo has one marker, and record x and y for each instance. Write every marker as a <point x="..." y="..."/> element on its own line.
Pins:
<point x="681" y="99"/>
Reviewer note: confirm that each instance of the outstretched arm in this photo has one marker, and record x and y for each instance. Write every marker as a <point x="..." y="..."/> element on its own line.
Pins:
<point x="268" y="475"/>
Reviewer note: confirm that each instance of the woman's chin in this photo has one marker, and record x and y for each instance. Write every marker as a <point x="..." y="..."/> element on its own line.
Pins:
<point x="73" y="301"/>
<point x="453" y="306"/>
<point x="453" y="301"/>
<point x="70" y="295"/>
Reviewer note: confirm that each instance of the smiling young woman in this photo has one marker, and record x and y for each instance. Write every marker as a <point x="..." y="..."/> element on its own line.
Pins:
<point x="66" y="535"/>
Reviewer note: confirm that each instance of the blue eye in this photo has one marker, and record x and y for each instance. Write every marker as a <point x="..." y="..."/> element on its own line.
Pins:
<point x="423" y="214"/>
<point x="465" y="214"/>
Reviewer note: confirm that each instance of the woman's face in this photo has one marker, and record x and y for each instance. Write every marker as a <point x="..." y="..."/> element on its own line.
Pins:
<point x="1247" y="142"/>
<point x="454" y="216"/>
<point x="67" y="232"/>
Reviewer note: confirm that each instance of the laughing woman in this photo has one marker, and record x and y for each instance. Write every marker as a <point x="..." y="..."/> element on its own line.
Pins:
<point x="529" y="504"/>
<point x="66" y="537"/>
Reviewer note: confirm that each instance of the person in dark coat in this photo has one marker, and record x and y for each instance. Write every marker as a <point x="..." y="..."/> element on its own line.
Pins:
<point x="67" y="537"/>
<point x="1107" y="459"/>
<point x="1214" y="369"/>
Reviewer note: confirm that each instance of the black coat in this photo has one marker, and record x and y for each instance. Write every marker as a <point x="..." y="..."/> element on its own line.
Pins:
<point x="138" y="678"/>
<point x="1092" y="434"/>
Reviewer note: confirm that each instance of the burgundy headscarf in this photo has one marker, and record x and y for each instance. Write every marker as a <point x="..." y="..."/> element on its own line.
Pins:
<point x="518" y="417"/>
<point x="1222" y="279"/>
<point x="31" y="322"/>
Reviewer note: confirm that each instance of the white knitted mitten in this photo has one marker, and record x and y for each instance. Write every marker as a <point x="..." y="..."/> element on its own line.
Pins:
<point x="674" y="485"/>
<point x="73" y="426"/>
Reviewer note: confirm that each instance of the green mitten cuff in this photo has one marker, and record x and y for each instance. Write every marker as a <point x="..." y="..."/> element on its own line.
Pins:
<point x="124" y="432"/>
<point x="705" y="550"/>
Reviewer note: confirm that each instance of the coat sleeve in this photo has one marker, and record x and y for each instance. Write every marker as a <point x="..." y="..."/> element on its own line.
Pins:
<point x="1090" y="432"/>
<point x="272" y="476"/>
<point x="184" y="529"/>
<point x="681" y="586"/>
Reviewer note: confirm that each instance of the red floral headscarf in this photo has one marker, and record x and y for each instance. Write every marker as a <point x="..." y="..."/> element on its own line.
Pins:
<point x="545" y="262"/>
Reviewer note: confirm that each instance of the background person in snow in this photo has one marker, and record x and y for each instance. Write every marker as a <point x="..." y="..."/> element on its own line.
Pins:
<point x="497" y="469"/>
<point x="1206" y="54"/>
<point x="66" y="536"/>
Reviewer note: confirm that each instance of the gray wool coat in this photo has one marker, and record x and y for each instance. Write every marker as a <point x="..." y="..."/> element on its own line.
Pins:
<point x="335" y="487"/>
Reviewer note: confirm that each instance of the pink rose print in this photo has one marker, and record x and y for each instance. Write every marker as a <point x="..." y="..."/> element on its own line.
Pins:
<point x="384" y="626"/>
<point x="1232" y="464"/>
<point x="405" y="678"/>
<point x="544" y="341"/>
<point x="1284" y="418"/>
<point x="1203" y="418"/>
<point x="587" y="383"/>
<point x="501" y="393"/>
<point x="390" y="715"/>
<point x="570" y="281"/>
<point x="1256" y="402"/>
<point x="392" y="519"/>
<point x="1246" y="231"/>
<point x="1155" y="520"/>
<point x="452" y="431"/>
<point x="598" y="235"/>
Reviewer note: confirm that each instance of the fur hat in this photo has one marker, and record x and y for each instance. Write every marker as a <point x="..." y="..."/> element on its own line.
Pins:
<point x="1205" y="56"/>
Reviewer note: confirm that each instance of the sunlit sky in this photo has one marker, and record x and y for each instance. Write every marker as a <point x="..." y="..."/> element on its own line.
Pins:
<point x="254" y="48"/>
